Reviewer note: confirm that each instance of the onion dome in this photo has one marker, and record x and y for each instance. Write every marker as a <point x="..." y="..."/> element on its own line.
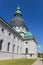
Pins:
<point x="18" y="20"/>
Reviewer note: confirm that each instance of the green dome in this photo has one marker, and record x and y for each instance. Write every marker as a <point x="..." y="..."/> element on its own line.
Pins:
<point x="28" y="35"/>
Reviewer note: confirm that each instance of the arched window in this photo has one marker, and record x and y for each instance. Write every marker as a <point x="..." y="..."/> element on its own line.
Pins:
<point x="14" y="37"/>
<point x="1" y="41"/>
<point x="17" y="49"/>
<point x="2" y="29"/>
<point x="9" y="34"/>
<point x="14" y="48"/>
<point x="26" y="42"/>
<point x="26" y="50"/>
<point x="8" y="46"/>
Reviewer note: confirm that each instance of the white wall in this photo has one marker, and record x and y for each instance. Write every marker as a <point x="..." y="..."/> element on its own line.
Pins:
<point x="9" y="55"/>
<point x="18" y="52"/>
<point x="32" y="47"/>
<point x="8" y="38"/>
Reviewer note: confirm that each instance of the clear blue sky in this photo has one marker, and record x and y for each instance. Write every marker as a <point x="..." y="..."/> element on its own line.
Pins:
<point x="32" y="13"/>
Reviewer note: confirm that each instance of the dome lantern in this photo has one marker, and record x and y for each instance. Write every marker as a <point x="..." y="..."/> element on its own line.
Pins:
<point x="18" y="12"/>
<point x="18" y="21"/>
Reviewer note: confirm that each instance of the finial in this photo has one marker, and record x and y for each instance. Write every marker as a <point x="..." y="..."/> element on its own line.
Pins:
<point x="18" y="8"/>
<point x="18" y="11"/>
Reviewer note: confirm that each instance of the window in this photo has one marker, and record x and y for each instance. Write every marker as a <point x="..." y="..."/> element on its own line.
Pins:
<point x="8" y="46"/>
<point x="9" y="34"/>
<point x="16" y="27"/>
<point x="14" y="37"/>
<point x="20" y="27"/>
<point x="17" y="49"/>
<point x="1" y="41"/>
<point x="2" y="29"/>
<point x="30" y="55"/>
<point x="26" y="42"/>
<point x="26" y="50"/>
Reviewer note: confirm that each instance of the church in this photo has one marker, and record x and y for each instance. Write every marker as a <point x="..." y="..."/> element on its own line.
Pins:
<point x="15" y="39"/>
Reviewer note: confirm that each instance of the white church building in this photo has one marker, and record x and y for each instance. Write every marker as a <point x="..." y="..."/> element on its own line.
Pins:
<point x="15" y="39"/>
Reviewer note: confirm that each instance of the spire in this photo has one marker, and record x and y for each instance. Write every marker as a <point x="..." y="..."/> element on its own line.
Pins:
<point x="18" y="11"/>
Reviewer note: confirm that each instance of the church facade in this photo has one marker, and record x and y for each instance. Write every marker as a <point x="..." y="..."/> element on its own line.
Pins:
<point x="15" y="39"/>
